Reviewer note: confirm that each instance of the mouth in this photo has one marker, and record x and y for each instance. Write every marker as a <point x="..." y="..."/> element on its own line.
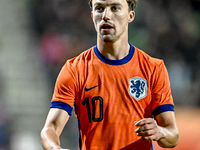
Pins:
<point x="106" y="27"/>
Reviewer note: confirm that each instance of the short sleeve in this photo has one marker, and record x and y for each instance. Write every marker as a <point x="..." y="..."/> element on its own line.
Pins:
<point x="64" y="92"/>
<point x="161" y="93"/>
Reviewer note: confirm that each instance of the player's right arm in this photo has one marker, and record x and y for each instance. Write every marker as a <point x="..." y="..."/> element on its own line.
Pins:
<point x="55" y="122"/>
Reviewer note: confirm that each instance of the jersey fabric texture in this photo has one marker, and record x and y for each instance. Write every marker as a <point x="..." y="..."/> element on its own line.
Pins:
<point x="110" y="95"/>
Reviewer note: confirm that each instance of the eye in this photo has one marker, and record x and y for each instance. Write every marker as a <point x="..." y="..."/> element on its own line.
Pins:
<point x="115" y="8"/>
<point x="99" y="8"/>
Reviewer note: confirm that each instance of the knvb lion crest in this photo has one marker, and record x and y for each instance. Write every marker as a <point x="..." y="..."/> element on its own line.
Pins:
<point x="137" y="87"/>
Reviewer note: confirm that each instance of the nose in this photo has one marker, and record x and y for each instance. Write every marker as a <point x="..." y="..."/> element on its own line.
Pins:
<point x="106" y="14"/>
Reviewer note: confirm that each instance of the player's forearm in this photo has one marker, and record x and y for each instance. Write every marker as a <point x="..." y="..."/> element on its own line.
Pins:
<point x="49" y="139"/>
<point x="170" y="137"/>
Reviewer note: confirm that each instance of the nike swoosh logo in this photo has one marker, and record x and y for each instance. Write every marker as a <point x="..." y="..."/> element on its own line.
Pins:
<point x="88" y="89"/>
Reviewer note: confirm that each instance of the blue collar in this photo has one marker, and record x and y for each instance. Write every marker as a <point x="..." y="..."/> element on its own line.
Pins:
<point x="115" y="62"/>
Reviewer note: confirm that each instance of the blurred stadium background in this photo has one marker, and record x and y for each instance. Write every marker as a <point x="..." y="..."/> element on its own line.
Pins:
<point x="38" y="36"/>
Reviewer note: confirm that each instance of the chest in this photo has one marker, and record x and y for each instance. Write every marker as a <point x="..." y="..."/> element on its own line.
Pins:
<point x="114" y="89"/>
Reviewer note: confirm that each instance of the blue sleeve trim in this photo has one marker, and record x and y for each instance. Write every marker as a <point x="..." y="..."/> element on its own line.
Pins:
<point x="162" y="108"/>
<point x="63" y="106"/>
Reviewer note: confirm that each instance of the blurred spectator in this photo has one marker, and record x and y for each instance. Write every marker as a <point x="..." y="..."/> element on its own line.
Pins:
<point x="63" y="31"/>
<point x="54" y="51"/>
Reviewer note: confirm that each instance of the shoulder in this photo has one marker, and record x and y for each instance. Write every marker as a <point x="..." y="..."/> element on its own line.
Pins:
<point x="146" y="57"/>
<point x="147" y="61"/>
<point x="81" y="59"/>
<point x="75" y="67"/>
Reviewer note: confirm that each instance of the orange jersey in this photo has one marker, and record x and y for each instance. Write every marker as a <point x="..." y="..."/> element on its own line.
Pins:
<point x="110" y="95"/>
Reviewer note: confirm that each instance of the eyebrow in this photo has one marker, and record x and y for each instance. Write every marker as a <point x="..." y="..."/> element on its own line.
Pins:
<point x="111" y="4"/>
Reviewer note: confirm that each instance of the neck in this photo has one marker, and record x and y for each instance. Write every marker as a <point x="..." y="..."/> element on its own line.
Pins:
<point x="114" y="50"/>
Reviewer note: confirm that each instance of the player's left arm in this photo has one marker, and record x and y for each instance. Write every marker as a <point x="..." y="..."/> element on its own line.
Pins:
<point x="162" y="129"/>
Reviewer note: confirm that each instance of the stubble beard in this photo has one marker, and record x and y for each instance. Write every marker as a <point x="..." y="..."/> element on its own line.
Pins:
<point x="110" y="37"/>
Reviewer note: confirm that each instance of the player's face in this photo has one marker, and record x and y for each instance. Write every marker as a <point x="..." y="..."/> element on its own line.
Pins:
<point x="111" y="18"/>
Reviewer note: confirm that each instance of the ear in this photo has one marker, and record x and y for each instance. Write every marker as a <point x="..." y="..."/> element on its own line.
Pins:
<point x="92" y="14"/>
<point x="131" y="16"/>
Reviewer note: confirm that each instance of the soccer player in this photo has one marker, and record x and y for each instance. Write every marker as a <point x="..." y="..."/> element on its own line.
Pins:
<point x="121" y="95"/>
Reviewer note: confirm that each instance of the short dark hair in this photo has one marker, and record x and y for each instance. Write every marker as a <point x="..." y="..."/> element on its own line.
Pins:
<point x="131" y="4"/>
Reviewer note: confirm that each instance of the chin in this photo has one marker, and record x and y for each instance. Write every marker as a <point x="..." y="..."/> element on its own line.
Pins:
<point x="107" y="39"/>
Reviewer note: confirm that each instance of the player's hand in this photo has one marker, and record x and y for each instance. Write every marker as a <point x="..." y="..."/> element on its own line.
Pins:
<point x="148" y="129"/>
